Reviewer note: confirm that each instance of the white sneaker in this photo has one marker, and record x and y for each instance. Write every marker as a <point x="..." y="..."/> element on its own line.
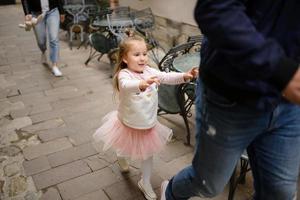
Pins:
<point x="123" y="164"/>
<point x="56" y="71"/>
<point x="163" y="188"/>
<point x="147" y="190"/>
<point x="44" y="58"/>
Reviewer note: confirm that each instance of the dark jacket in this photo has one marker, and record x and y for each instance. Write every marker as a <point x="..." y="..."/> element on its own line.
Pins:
<point x="252" y="49"/>
<point x="34" y="6"/>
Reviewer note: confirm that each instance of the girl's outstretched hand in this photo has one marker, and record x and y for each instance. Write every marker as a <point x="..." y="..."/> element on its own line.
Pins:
<point x="146" y="83"/>
<point x="191" y="74"/>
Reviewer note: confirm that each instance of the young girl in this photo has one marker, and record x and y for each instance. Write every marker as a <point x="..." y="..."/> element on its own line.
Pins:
<point x="133" y="130"/>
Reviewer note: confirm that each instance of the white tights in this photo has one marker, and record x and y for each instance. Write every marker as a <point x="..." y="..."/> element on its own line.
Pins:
<point x="146" y="170"/>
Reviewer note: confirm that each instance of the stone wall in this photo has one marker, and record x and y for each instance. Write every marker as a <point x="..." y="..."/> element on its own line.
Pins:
<point x="170" y="33"/>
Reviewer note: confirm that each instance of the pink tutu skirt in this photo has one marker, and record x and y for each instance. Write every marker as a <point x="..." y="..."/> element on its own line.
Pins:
<point x="130" y="142"/>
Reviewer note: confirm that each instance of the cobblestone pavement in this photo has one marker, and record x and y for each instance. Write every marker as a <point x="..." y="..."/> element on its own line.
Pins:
<point x="46" y="125"/>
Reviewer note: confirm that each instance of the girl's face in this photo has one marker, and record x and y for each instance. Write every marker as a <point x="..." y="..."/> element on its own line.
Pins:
<point x="136" y="58"/>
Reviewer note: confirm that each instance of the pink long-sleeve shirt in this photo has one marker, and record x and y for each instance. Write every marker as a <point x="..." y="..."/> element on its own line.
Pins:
<point x="138" y="109"/>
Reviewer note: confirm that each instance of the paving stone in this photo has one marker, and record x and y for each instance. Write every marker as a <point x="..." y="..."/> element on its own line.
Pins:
<point x="11" y="169"/>
<point x="6" y="107"/>
<point x="35" y="88"/>
<point x="71" y="154"/>
<point x="79" y="139"/>
<point x="61" y="90"/>
<point x="109" y="155"/>
<point x="66" y="111"/>
<point x="125" y="189"/>
<point x="17" y="185"/>
<point x="5" y="83"/>
<point x="48" y="115"/>
<point x="51" y="194"/>
<point x="44" y="125"/>
<point x="82" y="81"/>
<point x="55" y="133"/>
<point x="77" y="187"/>
<point x="98" y="195"/>
<point x="96" y="163"/>
<point x="37" y="165"/>
<point x="11" y="150"/>
<point x="69" y="95"/>
<point x="39" y="108"/>
<point x="31" y="99"/>
<point x="19" y="113"/>
<point x="116" y="170"/>
<point x="13" y="91"/>
<point x="60" y="174"/>
<point x="62" y="104"/>
<point x="167" y="170"/>
<point x="32" y="152"/>
<point x="18" y="124"/>
<point x="90" y="113"/>
<point x="174" y="150"/>
<point x="31" y="196"/>
<point x="4" y="92"/>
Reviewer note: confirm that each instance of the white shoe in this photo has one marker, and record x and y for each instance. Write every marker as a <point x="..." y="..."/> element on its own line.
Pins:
<point x="44" y="58"/>
<point x="56" y="71"/>
<point x="123" y="164"/>
<point x="147" y="190"/>
<point x="163" y="188"/>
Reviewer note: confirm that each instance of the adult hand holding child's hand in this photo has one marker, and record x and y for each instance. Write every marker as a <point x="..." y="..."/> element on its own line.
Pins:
<point x="191" y="74"/>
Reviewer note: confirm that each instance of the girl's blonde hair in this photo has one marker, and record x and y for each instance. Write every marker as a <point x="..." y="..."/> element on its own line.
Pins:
<point x="123" y="49"/>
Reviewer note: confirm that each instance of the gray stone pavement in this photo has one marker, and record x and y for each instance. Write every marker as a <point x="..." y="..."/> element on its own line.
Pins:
<point x="46" y="125"/>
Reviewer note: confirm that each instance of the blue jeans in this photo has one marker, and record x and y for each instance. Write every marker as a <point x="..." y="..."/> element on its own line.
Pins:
<point x="50" y="25"/>
<point x="224" y="130"/>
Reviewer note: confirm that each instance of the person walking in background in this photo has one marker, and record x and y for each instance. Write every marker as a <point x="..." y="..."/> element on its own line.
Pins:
<point x="51" y="13"/>
<point x="133" y="130"/>
<point x="249" y="100"/>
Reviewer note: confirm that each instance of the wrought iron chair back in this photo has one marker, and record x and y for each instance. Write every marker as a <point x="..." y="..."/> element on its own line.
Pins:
<point x="198" y="41"/>
<point x="195" y="38"/>
<point x="176" y="99"/>
<point x="119" y="21"/>
<point x="166" y="64"/>
<point x="92" y="8"/>
<point x="144" y="23"/>
<point x="143" y="20"/>
<point x="75" y="10"/>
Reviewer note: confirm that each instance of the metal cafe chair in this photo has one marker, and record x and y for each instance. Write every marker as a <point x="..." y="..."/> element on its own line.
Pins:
<point x="240" y="178"/>
<point x="75" y="10"/>
<point x="114" y="28"/>
<point x="100" y="45"/>
<point x="119" y="21"/>
<point x="176" y="99"/>
<point x="197" y="39"/>
<point x="144" y="23"/>
<point x="166" y="64"/>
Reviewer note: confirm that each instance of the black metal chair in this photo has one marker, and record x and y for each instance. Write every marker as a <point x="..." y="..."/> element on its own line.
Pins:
<point x="144" y="23"/>
<point x="239" y="178"/>
<point x="166" y="64"/>
<point x="100" y="45"/>
<point x="114" y="26"/>
<point x="176" y="99"/>
<point x="75" y="11"/>
<point x="197" y="39"/>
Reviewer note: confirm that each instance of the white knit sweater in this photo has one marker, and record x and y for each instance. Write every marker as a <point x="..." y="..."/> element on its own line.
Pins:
<point x="138" y="109"/>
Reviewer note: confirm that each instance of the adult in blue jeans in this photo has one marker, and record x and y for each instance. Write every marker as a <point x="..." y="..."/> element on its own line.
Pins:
<point x="52" y="12"/>
<point x="249" y="99"/>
